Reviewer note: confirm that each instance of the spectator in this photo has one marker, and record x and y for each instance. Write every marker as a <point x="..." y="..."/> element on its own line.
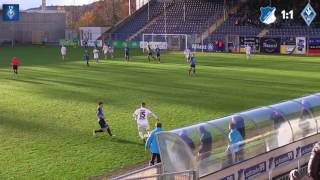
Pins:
<point x="205" y="148"/>
<point x="184" y="136"/>
<point x="314" y="162"/>
<point x="239" y="122"/>
<point x="152" y="145"/>
<point x="235" y="140"/>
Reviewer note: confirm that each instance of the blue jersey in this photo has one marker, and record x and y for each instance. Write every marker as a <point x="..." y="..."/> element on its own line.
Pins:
<point x="158" y="50"/>
<point x="87" y="55"/>
<point x="193" y="61"/>
<point x="100" y="113"/>
<point x="126" y="50"/>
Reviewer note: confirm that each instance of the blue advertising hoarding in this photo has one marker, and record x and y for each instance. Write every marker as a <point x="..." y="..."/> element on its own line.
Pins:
<point x="10" y="12"/>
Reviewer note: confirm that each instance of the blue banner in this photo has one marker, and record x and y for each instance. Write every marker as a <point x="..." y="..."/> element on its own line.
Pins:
<point x="230" y="177"/>
<point x="306" y="149"/>
<point x="283" y="158"/>
<point x="255" y="170"/>
<point x="10" y="12"/>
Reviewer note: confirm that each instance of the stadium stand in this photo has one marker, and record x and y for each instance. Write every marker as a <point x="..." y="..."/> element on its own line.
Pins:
<point x="138" y="20"/>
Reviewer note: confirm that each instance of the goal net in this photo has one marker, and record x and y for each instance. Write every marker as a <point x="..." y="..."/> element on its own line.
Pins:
<point x="165" y="41"/>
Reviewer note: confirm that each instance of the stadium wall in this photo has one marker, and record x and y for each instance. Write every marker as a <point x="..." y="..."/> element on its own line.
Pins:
<point x="34" y="27"/>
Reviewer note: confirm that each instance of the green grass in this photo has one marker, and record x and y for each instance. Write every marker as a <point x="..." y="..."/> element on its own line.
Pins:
<point x="47" y="115"/>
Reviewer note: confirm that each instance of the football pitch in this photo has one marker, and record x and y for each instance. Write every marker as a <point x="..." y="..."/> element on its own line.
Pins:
<point x="48" y="113"/>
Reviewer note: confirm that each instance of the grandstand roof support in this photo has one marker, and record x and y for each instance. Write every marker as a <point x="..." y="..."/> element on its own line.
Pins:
<point x="184" y="10"/>
<point x="129" y="7"/>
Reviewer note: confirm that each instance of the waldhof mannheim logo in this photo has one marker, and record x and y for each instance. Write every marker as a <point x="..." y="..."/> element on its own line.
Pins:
<point x="11" y="12"/>
<point x="308" y="14"/>
<point x="267" y="15"/>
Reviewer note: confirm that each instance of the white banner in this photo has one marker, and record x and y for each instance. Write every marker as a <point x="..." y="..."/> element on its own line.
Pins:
<point x="161" y="45"/>
<point x="300" y="45"/>
<point x="91" y="43"/>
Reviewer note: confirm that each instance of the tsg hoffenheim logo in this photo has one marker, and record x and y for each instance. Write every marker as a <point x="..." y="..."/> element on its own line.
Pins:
<point x="267" y="15"/>
<point x="11" y="12"/>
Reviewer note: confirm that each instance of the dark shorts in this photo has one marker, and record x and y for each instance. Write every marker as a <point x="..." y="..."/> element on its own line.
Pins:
<point x="103" y="123"/>
<point x="126" y="54"/>
<point x="158" y="55"/>
<point x="15" y="67"/>
<point x="193" y="66"/>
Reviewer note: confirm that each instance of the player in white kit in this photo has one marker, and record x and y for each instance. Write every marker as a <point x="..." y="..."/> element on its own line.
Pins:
<point x="248" y="51"/>
<point x="105" y="51"/>
<point x="63" y="52"/>
<point x="96" y="55"/>
<point x="141" y="116"/>
<point x="187" y="54"/>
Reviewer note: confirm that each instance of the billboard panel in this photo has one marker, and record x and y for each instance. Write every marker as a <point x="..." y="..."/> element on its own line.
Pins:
<point x="270" y="45"/>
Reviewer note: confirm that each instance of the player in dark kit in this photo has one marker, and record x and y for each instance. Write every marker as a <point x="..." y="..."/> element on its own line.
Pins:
<point x="158" y="53"/>
<point x="101" y="120"/>
<point x="87" y="57"/>
<point x="192" y="65"/>
<point x="126" y="53"/>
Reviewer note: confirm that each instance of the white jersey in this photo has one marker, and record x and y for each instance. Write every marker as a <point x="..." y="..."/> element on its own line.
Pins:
<point x="63" y="50"/>
<point x="95" y="53"/>
<point x="187" y="53"/>
<point x="141" y="116"/>
<point x="105" y="49"/>
<point x="248" y="49"/>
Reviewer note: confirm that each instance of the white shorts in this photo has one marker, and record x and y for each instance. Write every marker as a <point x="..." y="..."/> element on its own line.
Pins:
<point x="63" y="54"/>
<point x="143" y="126"/>
<point x="96" y="57"/>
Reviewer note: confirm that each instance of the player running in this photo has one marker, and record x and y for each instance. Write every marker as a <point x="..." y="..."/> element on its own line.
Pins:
<point x="192" y="63"/>
<point x="248" y="51"/>
<point x="15" y="65"/>
<point x="150" y="52"/>
<point x="105" y="51"/>
<point x="96" y="55"/>
<point x="158" y="53"/>
<point x="63" y="51"/>
<point x="101" y="120"/>
<point x="126" y="53"/>
<point x="87" y="57"/>
<point x="187" y="54"/>
<point x="141" y="116"/>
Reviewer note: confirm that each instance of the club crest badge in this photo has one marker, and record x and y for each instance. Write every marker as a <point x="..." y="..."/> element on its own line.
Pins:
<point x="267" y="15"/>
<point x="308" y="14"/>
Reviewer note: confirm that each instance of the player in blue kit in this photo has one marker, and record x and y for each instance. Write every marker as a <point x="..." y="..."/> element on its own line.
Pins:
<point x="192" y="63"/>
<point x="87" y="57"/>
<point x="158" y="53"/>
<point x="101" y="120"/>
<point x="126" y="53"/>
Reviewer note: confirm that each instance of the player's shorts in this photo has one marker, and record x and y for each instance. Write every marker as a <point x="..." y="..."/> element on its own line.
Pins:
<point x="96" y="57"/>
<point x="15" y="67"/>
<point x="193" y="66"/>
<point x="143" y="126"/>
<point x="103" y="123"/>
<point x="158" y="55"/>
<point x="126" y="54"/>
<point x="150" y="53"/>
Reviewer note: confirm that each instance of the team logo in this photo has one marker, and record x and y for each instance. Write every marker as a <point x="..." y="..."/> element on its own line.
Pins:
<point x="11" y="12"/>
<point x="267" y="15"/>
<point x="308" y="14"/>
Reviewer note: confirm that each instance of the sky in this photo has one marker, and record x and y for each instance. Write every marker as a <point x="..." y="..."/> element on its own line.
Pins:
<point x="26" y="4"/>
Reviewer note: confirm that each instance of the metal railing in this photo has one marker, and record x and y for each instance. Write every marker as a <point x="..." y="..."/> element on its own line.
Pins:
<point x="155" y="173"/>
